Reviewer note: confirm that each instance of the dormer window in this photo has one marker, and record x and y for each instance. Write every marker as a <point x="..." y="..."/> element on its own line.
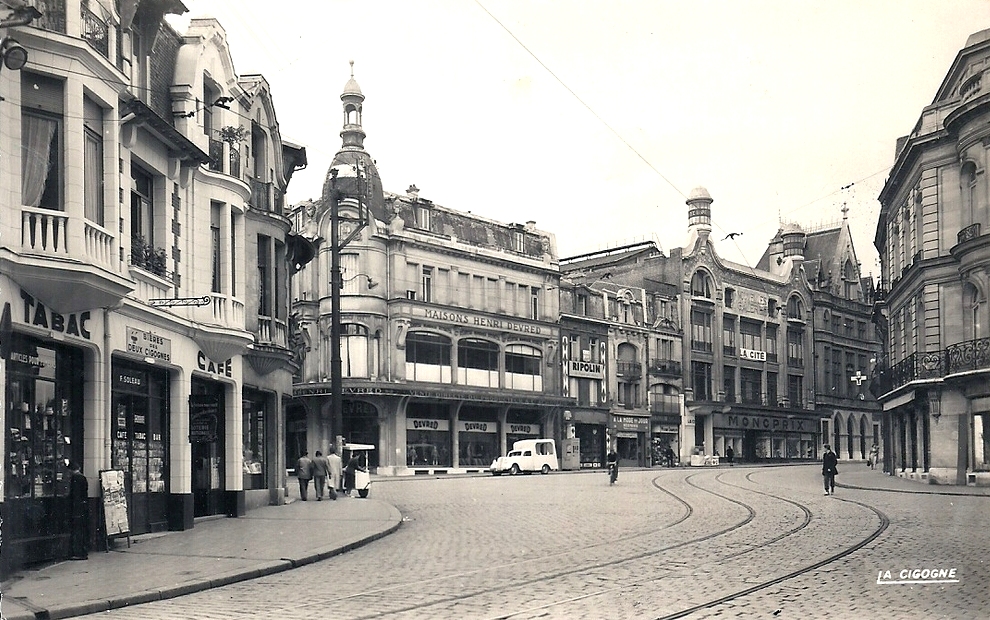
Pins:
<point x="517" y="241"/>
<point x="423" y="217"/>
<point x="795" y="309"/>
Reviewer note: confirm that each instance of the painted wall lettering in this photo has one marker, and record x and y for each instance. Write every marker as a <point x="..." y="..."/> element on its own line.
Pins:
<point x="36" y="314"/>
<point x="206" y="364"/>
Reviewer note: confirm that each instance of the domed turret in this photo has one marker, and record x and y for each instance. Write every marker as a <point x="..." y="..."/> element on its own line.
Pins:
<point x="794" y="239"/>
<point x="699" y="204"/>
<point x="355" y="170"/>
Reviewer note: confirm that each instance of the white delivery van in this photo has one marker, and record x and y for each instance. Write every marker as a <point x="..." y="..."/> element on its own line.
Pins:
<point x="527" y="455"/>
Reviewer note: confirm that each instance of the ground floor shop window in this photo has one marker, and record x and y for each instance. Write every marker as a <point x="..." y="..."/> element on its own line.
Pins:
<point x="477" y="436"/>
<point x="428" y="439"/>
<point x="592" y="438"/>
<point x="254" y="407"/>
<point x="522" y="424"/>
<point x="43" y="396"/>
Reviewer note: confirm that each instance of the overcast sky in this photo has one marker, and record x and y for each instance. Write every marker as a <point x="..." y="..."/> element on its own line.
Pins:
<point x="595" y="118"/>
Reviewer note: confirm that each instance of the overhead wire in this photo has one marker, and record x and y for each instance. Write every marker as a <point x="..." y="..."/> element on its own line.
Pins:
<point x="632" y="148"/>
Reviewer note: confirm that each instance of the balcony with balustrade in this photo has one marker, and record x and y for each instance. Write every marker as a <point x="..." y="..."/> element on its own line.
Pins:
<point x="968" y="357"/>
<point x="664" y="368"/>
<point x="628" y="369"/>
<point x="68" y="262"/>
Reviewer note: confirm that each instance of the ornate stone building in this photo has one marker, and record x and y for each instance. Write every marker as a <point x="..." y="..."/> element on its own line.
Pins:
<point x="934" y="379"/>
<point x="449" y="342"/>
<point x="144" y="266"/>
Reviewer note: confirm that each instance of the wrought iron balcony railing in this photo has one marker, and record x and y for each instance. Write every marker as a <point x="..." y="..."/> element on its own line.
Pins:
<point x="970" y="232"/>
<point x="96" y="32"/>
<point x="629" y="369"/>
<point x="665" y="367"/>
<point x="967" y="356"/>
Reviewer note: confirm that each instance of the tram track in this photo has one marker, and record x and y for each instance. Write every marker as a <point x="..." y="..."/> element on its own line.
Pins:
<point x="634" y="584"/>
<point x="689" y="510"/>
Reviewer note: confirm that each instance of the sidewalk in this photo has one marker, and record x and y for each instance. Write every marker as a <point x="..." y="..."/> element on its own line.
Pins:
<point x="213" y="553"/>
<point x="856" y="475"/>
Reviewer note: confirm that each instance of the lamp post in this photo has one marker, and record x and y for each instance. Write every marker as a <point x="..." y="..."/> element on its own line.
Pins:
<point x="336" y="196"/>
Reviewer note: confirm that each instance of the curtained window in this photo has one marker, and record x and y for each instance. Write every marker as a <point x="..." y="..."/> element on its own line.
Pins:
<point x="93" y="162"/>
<point x="39" y="161"/>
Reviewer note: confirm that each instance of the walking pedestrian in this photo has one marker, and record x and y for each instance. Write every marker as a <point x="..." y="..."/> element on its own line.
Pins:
<point x="829" y="469"/>
<point x="79" y="512"/>
<point x="336" y="472"/>
<point x="304" y="471"/>
<point x="729" y="454"/>
<point x="874" y="456"/>
<point x="321" y="468"/>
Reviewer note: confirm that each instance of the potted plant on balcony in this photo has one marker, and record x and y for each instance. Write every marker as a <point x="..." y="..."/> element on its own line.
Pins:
<point x="147" y="257"/>
<point x="233" y="134"/>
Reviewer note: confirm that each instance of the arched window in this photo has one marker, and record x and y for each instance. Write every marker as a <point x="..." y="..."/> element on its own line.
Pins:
<point x="973" y="311"/>
<point x="850" y="280"/>
<point x="836" y="440"/>
<point x="523" y="368"/>
<point x="477" y="362"/>
<point x="352" y="116"/>
<point x="428" y="357"/>
<point x="862" y="437"/>
<point x="851" y="428"/>
<point x="354" y="350"/>
<point x="701" y="285"/>
<point x="795" y="309"/>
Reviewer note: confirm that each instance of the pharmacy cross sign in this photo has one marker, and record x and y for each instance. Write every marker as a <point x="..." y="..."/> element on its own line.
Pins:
<point x="858" y="378"/>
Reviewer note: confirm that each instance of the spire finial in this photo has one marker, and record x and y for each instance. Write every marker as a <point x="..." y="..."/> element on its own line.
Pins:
<point x="352" y="68"/>
<point x="845" y="211"/>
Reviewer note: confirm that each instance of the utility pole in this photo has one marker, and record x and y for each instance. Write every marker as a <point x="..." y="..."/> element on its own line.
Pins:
<point x="336" y="383"/>
<point x="337" y="195"/>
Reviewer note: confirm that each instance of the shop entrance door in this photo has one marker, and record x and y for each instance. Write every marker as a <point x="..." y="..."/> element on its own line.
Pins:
<point x="749" y="446"/>
<point x="206" y="432"/>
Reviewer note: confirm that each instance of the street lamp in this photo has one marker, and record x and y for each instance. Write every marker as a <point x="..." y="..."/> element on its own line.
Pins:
<point x="13" y="53"/>
<point x="336" y="195"/>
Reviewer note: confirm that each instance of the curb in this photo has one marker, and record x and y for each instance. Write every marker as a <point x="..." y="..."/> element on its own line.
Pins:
<point x="269" y="567"/>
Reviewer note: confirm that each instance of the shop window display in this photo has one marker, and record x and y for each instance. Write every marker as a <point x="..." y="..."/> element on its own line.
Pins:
<point x="253" y="442"/>
<point x="44" y="431"/>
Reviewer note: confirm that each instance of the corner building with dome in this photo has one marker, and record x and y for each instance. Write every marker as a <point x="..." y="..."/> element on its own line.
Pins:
<point x="448" y="324"/>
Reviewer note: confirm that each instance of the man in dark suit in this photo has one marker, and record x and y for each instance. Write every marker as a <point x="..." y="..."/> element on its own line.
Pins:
<point x="829" y="469"/>
<point x="79" y="512"/>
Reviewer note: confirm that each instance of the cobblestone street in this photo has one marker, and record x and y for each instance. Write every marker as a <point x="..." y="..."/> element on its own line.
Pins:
<point x="727" y="542"/>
